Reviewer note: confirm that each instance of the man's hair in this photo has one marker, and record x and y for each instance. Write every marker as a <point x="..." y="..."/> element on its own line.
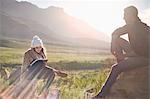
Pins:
<point x="132" y="10"/>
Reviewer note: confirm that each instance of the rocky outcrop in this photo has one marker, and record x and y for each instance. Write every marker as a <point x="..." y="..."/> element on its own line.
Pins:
<point x="133" y="84"/>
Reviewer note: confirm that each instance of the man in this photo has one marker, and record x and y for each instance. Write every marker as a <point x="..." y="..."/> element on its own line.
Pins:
<point x="129" y="55"/>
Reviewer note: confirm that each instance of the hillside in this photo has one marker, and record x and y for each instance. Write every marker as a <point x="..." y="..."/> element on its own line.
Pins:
<point x="22" y="20"/>
<point x="53" y="17"/>
<point x="14" y="27"/>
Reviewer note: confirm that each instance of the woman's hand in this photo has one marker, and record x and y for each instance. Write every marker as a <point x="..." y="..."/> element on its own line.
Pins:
<point x="60" y="73"/>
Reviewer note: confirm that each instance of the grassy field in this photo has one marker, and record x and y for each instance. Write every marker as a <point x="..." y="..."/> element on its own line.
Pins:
<point x="87" y="68"/>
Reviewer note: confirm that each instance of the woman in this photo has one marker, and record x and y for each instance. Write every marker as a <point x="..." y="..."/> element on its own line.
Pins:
<point x="37" y="51"/>
<point x="31" y="69"/>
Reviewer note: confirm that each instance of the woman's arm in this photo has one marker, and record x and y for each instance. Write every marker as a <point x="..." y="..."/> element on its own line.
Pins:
<point x="27" y="59"/>
<point x="58" y="72"/>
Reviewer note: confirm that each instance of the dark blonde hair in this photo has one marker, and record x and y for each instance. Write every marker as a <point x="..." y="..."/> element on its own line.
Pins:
<point x="44" y="52"/>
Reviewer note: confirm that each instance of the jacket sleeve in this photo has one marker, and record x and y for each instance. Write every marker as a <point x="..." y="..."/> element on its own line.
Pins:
<point x="27" y="59"/>
<point x="120" y="31"/>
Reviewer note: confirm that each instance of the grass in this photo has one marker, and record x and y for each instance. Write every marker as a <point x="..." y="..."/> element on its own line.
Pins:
<point x="4" y="84"/>
<point x="67" y="57"/>
<point x="76" y="84"/>
<point x="10" y="55"/>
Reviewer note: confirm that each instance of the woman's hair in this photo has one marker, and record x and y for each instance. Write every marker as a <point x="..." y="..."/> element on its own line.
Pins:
<point x="44" y="51"/>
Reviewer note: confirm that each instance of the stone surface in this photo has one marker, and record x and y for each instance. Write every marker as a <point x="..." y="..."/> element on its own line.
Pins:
<point x="133" y="84"/>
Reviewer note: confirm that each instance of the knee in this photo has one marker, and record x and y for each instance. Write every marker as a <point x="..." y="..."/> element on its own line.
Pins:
<point x="51" y="72"/>
<point x="116" y="68"/>
<point x="118" y="40"/>
<point x="48" y="73"/>
<point x="121" y="41"/>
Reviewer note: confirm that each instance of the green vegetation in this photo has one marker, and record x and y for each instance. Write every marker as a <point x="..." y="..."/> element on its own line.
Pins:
<point x="86" y="68"/>
<point x="4" y="84"/>
<point x="76" y="84"/>
<point x="10" y="56"/>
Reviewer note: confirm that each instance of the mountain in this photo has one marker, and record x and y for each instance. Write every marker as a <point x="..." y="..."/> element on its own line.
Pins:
<point x="13" y="27"/>
<point x="23" y="20"/>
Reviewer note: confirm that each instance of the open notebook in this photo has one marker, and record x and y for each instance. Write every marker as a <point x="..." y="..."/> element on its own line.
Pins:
<point x="37" y="61"/>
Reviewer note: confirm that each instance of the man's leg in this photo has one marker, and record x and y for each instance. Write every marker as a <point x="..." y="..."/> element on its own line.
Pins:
<point x="122" y="47"/>
<point x="127" y="64"/>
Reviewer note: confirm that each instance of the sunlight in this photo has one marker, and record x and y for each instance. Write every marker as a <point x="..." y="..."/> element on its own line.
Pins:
<point x="103" y="15"/>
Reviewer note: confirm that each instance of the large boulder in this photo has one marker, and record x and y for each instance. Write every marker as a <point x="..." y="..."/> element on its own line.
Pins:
<point x="133" y="84"/>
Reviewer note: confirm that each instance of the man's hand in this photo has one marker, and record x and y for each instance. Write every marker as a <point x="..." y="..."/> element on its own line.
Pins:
<point x="113" y="46"/>
<point x="114" y="43"/>
<point x="120" y="57"/>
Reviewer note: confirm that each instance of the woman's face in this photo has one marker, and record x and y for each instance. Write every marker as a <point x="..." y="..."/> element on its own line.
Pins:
<point x="38" y="49"/>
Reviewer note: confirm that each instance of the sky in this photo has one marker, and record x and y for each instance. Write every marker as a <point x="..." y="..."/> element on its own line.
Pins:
<point x="103" y="15"/>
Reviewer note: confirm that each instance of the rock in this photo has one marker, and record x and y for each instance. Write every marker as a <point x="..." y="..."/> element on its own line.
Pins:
<point x="133" y="84"/>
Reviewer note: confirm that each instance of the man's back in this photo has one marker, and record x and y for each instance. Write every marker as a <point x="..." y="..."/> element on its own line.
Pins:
<point x="139" y="37"/>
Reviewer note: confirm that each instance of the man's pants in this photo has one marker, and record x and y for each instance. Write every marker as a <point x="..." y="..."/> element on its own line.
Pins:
<point x="127" y="64"/>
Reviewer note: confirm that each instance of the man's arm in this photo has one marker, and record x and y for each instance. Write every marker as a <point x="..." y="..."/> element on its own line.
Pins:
<point x="120" y="31"/>
<point x="115" y="35"/>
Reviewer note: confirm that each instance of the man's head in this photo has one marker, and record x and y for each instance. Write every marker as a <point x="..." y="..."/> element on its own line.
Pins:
<point x="130" y="14"/>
